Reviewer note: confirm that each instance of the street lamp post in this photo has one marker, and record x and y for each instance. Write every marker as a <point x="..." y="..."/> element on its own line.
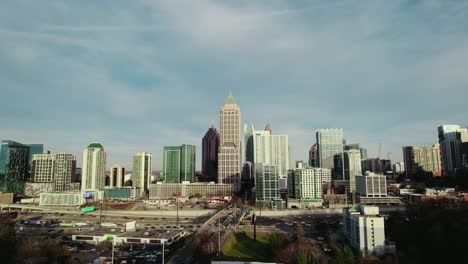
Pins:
<point x="162" y="251"/>
<point x="177" y="194"/>
<point x="219" y="237"/>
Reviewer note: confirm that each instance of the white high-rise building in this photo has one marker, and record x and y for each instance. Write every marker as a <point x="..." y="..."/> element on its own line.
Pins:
<point x="94" y="168"/>
<point x="54" y="168"/>
<point x="142" y="167"/>
<point x="230" y="151"/>
<point x="271" y="150"/>
<point x="309" y="183"/>
<point x="365" y="229"/>
<point x="352" y="167"/>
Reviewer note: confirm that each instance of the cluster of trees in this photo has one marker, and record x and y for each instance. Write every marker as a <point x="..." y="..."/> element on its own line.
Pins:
<point x="29" y="249"/>
<point x="430" y="232"/>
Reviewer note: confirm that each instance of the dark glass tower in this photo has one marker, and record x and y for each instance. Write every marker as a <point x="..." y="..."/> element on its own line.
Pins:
<point x="210" y="147"/>
<point x="14" y="167"/>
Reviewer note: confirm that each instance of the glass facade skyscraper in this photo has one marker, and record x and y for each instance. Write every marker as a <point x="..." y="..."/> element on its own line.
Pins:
<point x="14" y="167"/>
<point x="179" y="163"/>
<point x="210" y="147"/>
<point x="330" y="151"/>
<point x="187" y="163"/>
<point x="171" y="164"/>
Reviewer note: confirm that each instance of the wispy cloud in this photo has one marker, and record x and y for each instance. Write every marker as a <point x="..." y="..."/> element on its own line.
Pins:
<point x="138" y="75"/>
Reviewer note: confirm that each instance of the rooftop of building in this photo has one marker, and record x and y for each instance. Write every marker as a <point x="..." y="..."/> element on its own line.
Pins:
<point x="230" y="99"/>
<point x="95" y="145"/>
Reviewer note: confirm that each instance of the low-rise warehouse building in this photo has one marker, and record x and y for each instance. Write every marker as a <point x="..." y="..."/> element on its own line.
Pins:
<point x="186" y="189"/>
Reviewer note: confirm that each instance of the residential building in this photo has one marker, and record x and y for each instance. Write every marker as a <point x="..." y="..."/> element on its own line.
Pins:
<point x="210" y="147"/>
<point x="94" y="168"/>
<point x="330" y="151"/>
<point x="14" y="167"/>
<point x="450" y="140"/>
<point x="371" y="185"/>
<point x="171" y="164"/>
<point x="116" y="177"/>
<point x="422" y="160"/>
<point x="229" y="156"/>
<point x="58" y="169"/>
<point x="352" y="167"/>
<point x="267" y="192"/>
<point x="308" y="184"/>
<point x="187" y="163"/>
<point x="142" y="168"/>
<point x="313" y="156"/>
<point x="364" y="229"/>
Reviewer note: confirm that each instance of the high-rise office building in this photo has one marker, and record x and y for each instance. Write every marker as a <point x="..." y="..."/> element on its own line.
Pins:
<point x="94" y="167"/>
<point x="271" y="150"/>
<point x="171" y="164"/>
<point x="330" y="151"/>
<point x="210" y="147"/>
<point x="352" y="167"/>
<point x="58" y="169"/>
<point x="33" y="149"/>
<point x="249" y="143"/>
<point x="422" y="160"/>
<point x="313" y="156"/>
<point x="116" y="176"/>
<point x="450" y="140"/>
<point x="187" y="163"/>
<point x="14" y="166"/>
<point x="267" y="188"/>
<point x="229" y="156"/>
<point x="179" y="163"/>
<point x="142" y="168"/>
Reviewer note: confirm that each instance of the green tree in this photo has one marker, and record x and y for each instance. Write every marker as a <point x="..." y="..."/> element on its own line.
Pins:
<point x="7" y="240"/>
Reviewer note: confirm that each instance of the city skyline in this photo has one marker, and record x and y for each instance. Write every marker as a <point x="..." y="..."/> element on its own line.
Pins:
<point x="104" y="79"/>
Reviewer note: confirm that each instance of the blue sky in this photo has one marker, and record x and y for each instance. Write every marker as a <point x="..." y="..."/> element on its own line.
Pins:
<point x="138" y="75"/>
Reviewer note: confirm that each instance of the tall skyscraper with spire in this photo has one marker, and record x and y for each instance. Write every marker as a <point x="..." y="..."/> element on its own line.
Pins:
<point x="210" y="147"/>
<point x="229" y="156"/>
